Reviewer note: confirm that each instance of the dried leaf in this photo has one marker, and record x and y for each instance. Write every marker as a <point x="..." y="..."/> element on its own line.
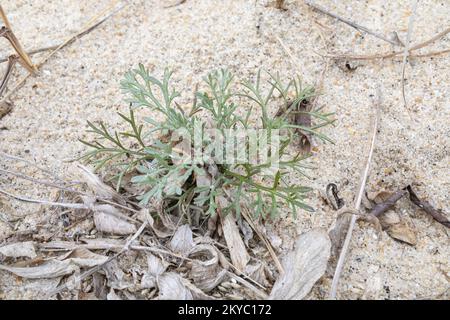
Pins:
<point x="112" y="295"/>
<point x="116" y="277"/>
<point x="206" y="271"/>
<point x="97" y="186"/>
<point x="84" y="258"/>
<point x="246" y="230"/>
<point x="174" y="287"/>
<point x="303" y="266"/>
<point x="19" y="249"/>
<point x="182" y="241"/>
<point x="171" y="287"/>
<point x="257" y="272"/>
<point x="403" y="232"/>
<point x="238" y="253"/>
<point x="108" y="219"/>
<point x="337" y="234"/>
<point x="61" y="266"/>
<point x="161" y="232"/>
<point x="156" y="267"/>
<point x="50" y="269"/>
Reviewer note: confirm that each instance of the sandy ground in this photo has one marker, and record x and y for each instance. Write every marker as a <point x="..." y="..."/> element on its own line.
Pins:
<point x="82" y="82"/>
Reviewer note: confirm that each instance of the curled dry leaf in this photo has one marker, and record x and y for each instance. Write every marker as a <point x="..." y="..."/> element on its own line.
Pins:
<point x="108" y="219"/>
<point x="49" y="269"/>
<point x="182" y="241"/>
<point x="84" y="258"/>
<point x="58" y="267"/>
<point x="206" y="271"/>
<point x="19" y="250"/>
<point x="303" y="266"/>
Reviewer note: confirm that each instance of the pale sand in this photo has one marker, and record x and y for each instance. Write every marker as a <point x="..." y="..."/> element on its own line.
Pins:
<point x="82" y="82"/>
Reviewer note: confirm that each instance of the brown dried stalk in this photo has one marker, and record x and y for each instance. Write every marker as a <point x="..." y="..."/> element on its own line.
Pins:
<point x="6" y="32"/>
<point x="3" y="84"/>
<point x="381" y="208"/>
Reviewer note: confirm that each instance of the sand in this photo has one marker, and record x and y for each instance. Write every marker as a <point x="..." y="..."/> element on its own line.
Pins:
<point x="82" y="83"/>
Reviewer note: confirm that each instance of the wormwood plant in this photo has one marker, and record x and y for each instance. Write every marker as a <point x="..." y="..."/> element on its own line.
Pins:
<point x="150" y="153"/>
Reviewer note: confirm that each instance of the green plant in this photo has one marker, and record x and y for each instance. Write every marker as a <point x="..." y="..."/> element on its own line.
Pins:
<point x="150" y="152"/>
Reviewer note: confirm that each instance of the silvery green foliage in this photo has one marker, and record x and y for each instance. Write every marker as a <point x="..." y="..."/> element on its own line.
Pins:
<point x="146" y="149"/>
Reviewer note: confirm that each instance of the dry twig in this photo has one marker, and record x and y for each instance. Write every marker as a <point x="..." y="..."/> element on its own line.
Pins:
<point x="338" y="56"/>
<point x="406" y="51"/>
<point x="437" y="215"/>
<point x="90" y="25"/>
<point x="352" y="24"/>
<point x="362" y="184"/>
<point x="32" y="52"/>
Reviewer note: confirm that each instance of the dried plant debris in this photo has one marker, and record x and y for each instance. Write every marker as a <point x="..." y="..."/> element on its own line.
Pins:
<point x="437" y="215"/>
<point x="206" y="271"/>
<point x="299" y="112"/>
<point x="382" y="206"/>
<point x="403" y="231"/>
<point x="109" y="219"/>
<point x="304" y="266"/>
<point x="332" y="196"/>
<point x="9" y="69"/>
<point x="58" y="267"/>
<point x="236" y="246"/>
<point x="193" y="234"/>
<point x="381" y="212"/>
<point x="5" y="108"/>
<point x="182" y="241"/>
